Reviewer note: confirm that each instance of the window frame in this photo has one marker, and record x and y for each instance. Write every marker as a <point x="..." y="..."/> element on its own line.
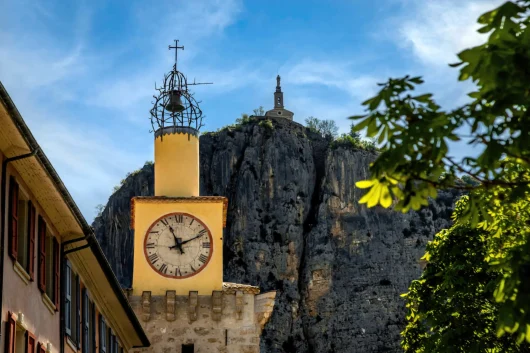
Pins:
<point x="85" y="323"/>
<point x="13" y="218"/>
<point x="11" y="330"/>
<point x="55" y="265"/>
<point x="30" y="341"/>
<point x="27" y="236"/>
<point x="67" y="312"/>
<point x="102" y="334"/>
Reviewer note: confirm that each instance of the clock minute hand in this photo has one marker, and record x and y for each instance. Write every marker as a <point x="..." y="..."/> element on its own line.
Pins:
<point x="186" y="241"/>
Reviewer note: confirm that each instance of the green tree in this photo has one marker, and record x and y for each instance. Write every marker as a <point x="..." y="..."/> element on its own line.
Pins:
<point x="259" y="111"/>
<point x="244" y="119"/>
<point x="451" y="306"/>
<point x="415" y="161"/>
<point x="327" y="128"/>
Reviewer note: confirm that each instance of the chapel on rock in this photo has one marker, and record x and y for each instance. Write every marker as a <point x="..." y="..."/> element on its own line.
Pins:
<point x="279" y="111"/>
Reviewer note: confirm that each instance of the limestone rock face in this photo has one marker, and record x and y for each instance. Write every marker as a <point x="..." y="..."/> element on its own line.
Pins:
<point x="295" y="226"/>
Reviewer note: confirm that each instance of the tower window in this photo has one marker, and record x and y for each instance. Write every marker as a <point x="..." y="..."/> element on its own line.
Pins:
<point x="188" y="348"/>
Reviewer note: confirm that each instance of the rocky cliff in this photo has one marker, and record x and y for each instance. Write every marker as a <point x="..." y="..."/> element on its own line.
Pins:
<point x="294" y="225"/>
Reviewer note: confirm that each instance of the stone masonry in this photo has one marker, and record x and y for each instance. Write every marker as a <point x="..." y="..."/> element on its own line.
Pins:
<point x="230" y="320"/>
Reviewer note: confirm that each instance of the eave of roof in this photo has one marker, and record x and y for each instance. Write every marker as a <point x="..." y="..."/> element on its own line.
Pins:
<point x="87" y="230"/>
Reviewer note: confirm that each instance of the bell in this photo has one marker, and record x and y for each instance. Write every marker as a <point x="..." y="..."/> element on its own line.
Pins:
<point x="175" y="103"/>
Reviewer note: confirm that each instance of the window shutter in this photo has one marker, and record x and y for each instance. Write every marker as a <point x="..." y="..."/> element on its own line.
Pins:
<point x="42" y="255"/>
<point x="57" y="268"/>
<point x="68" y="299"/>
<point x="93" y="326"/>
<point x="30" y="342"/>
<point x="10" y="333"/>
<point x="86" y="321"/>
<point x="77" y="311"/>
<point x="41" y="348"/>
<point x="102" y="335"/>
<point x="13" y="219"/>
<point x="111" y="342"/>
<point x="31" y="245"/>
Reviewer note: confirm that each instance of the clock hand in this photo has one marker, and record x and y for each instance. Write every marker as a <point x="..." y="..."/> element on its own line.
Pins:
<point x="185" y="241"/>
<point x="178" y="244"/>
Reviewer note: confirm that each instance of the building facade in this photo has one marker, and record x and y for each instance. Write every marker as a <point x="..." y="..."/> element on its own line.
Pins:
<point x="58" y="293"/>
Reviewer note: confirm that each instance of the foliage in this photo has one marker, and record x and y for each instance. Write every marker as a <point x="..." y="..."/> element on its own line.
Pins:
<point x="414" y="132"/>
<point x="267" y="124"/>
<point x="259" y="111"/>
<point x="353" y="139"/>
<point x="451" y="306"/>
<point x="99" y="209"/>
<point x="326" y="128"/>
<point x="244" y="119"/>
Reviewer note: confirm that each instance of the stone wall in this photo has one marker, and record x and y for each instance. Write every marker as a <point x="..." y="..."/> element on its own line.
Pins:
<point x="230" y="321"/>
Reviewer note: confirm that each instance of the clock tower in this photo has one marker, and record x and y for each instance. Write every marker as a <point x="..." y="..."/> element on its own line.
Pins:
<point x="178" y="287"/>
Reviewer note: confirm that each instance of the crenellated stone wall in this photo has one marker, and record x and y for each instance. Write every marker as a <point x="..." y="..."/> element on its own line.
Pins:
<point x="230" y="320"/>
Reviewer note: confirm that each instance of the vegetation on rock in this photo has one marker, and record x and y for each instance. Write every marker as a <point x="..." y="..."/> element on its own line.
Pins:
<point x="327" y="128"/>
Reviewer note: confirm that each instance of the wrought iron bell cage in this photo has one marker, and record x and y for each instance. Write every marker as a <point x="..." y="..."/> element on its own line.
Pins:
<point x="175" y="106"/>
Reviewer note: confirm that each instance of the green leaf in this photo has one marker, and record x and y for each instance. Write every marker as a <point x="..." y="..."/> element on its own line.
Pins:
<point x="356" y="117"/>
<point x="424" y="98"/>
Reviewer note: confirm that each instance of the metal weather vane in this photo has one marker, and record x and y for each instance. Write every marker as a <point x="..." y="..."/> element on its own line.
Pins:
<point x="175" y="106"/>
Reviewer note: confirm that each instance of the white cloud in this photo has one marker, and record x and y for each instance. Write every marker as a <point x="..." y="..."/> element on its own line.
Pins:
<point x="336" y="74"/>
<point x="436" y="30"/>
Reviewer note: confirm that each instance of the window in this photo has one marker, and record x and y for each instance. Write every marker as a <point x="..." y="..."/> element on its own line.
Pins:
<point x="71" y="304"/>
<point x="21" y="228"/>
<point x="111" y="339"/>
<point x="18" y="340"/>
<point x="92" y="328"/>
<point x="48" y="263"/>
<point x="188" y="348"/>
<point x="41" y="348"/>
<point x="102" y="335"/>
<point x="85" y="326"/>
<point x="11" y="329"/>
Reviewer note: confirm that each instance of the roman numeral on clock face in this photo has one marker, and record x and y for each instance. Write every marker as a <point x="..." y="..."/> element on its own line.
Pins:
<point x="206" y="245"/>
<point x="202" y="232"/>
<point x="150" y="245"/>
<point x="153" y="258"/>
<point x="163" y="268"/>
<point x="203" y="258"/>
<point x="179" y="218"/>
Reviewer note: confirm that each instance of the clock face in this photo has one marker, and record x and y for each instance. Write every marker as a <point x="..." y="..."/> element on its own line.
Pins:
<point x="178" y="245"/>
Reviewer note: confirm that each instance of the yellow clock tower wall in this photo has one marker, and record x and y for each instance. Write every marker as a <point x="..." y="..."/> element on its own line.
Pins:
<point x="176" y="162"/>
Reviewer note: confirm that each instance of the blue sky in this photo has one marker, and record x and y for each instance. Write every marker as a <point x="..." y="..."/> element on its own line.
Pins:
<point x="82" y="73"/>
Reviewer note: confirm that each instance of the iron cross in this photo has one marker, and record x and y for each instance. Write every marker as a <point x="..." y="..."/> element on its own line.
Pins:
<point x="176" y="47"/>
